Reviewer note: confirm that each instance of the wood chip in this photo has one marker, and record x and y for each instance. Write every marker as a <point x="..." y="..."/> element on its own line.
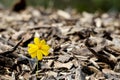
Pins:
<point x="63" y="65"/>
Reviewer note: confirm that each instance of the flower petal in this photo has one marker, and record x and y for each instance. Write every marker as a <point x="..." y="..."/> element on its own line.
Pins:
<point x="42" y="42"/>
<point x="36" y="41"/>
<point x="45" y="47"/>
<point x="33" y="49"/>
<point x="33" y="55"/>
<point x="39" y="55"/>
<point x="44" y="52"/>
<point x="31" y="45"/>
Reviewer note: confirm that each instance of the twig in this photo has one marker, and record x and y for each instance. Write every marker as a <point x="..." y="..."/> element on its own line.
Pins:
<point x="11" y="50"/>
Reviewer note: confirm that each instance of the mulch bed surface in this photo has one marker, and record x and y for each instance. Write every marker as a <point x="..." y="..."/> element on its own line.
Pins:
<point x="84" y="46"/>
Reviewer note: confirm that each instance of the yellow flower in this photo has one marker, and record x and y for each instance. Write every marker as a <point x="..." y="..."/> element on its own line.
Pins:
<point x="38" y="49"/>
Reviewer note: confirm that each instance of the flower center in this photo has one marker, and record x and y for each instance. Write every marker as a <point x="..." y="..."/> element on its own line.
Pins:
<point x="40" y="46"/>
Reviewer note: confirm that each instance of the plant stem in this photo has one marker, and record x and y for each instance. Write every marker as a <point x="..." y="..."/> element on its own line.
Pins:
<point x="37" y="67"/>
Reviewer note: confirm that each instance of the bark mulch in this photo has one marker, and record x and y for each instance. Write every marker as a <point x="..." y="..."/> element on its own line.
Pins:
<point x="84" y="46"/>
